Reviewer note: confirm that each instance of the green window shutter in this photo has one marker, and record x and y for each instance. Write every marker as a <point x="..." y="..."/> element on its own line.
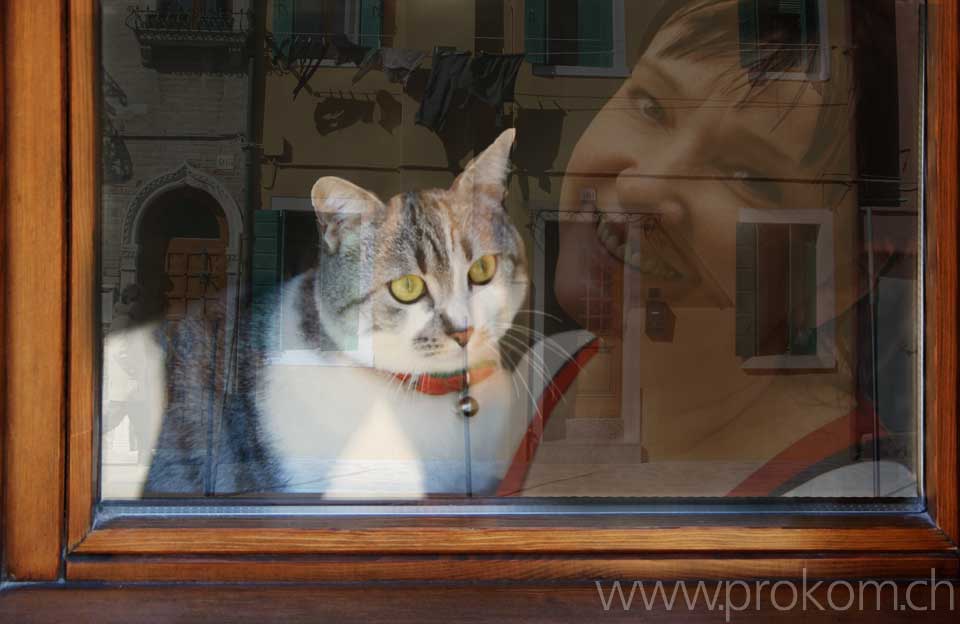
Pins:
<point x="803" y="289"/>
<point x="776" y="289"/>
<point x="283" y="23"/>
<point x="595" y="31"/>
<point x="792" y="22"/>
<point x="267" y="245"/>
<point x="535" y="31"/>
<point x="749" y="32"/>
<point x="371" y="22"/>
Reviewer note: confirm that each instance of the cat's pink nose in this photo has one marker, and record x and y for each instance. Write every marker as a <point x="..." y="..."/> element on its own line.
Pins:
<point x="462" y="337"/>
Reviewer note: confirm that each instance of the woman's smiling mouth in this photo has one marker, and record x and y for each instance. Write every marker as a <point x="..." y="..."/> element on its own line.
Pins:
<point x="638" y="251"/>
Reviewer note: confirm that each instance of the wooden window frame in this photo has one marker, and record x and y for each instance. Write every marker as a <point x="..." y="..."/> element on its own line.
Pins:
<point x="49" y="274"/>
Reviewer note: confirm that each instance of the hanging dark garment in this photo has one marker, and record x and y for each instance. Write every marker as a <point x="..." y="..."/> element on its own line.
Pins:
<point x="446" y="77"/>
<point x="336" y="113"/>
<point x="538" y="143"/>
<point x="396" y="63"/>
<point x="494" y="77"/>
<point x="492" y="80"/>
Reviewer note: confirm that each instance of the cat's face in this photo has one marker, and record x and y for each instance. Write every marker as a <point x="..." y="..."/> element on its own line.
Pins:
<point x="433" y="278"/>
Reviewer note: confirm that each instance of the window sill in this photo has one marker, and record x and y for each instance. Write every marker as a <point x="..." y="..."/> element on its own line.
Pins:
<point x="577" y="70"/>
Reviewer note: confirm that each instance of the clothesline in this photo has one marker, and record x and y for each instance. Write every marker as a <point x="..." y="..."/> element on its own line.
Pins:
<point x="324" y="36"/>
<point x="547" y="98"/>
<point x="359" y="35"/>
<point x="489" y="78"/>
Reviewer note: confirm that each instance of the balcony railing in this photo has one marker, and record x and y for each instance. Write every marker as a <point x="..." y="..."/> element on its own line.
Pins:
<point x="190" y="27"/>
<point x="164" y="35"/>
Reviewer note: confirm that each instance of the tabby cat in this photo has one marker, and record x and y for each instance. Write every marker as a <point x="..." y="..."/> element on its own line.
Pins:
<point x="402" y="314"/>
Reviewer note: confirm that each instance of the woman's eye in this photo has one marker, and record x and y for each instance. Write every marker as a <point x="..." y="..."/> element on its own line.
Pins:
<point x="483" y="270"/>
<point x="408" y="289"/>
<point x="757" y="184"/>
<point x="650" y="107"/>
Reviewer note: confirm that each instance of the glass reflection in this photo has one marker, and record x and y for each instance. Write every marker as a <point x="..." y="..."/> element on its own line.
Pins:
<point x="692" y="272"/>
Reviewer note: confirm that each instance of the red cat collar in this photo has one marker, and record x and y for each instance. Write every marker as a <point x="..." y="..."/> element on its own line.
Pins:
<point x="437" y="384"/>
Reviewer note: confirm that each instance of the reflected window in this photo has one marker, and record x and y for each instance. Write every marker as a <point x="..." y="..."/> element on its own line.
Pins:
<point x="692" y="271"/>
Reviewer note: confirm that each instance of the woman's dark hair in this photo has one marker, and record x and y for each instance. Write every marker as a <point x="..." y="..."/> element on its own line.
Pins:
<point x="705" y="30"/>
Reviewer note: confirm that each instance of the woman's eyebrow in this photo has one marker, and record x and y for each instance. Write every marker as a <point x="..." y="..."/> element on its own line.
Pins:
<point x="669" y="82"/>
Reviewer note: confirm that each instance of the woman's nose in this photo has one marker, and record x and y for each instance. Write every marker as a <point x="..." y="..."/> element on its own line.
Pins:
<point x="659" y="181"/>
<point x="651" y="194"/>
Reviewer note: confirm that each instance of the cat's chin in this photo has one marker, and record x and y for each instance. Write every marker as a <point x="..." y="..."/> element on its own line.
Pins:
<point x="438" y="364"/>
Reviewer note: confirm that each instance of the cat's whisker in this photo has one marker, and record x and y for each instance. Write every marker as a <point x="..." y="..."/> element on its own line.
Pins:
<point x="315" y="417"/>
<point x="515" y="353"/>
<point x="541" y="369"/>
<point x="541" y="337"/>
<point x="516" y="387"/>
<point x="395" y="385"/>
<point x="540" y="313"/>
<point x="545" y="341"/>
<point x="533" y="399"/>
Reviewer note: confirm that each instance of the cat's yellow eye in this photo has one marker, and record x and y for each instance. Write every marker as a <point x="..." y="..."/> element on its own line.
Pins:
<point x="483" y="270"/>
<point x="408" y="289"/>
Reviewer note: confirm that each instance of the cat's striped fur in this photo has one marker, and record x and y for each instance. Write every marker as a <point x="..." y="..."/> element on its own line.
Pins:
<point x="335" y="419"/>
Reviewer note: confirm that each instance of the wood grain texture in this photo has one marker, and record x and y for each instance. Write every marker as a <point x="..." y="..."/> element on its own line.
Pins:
<point x="369" y="569"/>
<point x="532" y="548"/>
<point x="3" y="221"/>
<point x="423" y="604"/>
<point x="84" y="305"/>
<point x="471" y="536"/>
<point x="942" y="275"/>
<point x="35" y="290"/>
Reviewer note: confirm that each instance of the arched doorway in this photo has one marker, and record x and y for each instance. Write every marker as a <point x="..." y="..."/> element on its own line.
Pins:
<point x="182" y="268"/>
<point x="182" y="239"/>
<point x="182" y="264"/>
<point x="186" y="204"/>
<point x="180" y="338"/>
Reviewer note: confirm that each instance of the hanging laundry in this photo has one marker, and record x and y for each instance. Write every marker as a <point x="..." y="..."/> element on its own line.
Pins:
<point x="317" y="51"/>
<point x="539" y="133"/>
<point x="346" y="51"/>
<point x="391" y="111"/>
<point x="494" y="77"/>
<point x="467" y="131"/>
<point x="396" y="63"/>
<point x="304" y="48"/>
<point x="446" y="77"/>
<point x="336" y="113"/>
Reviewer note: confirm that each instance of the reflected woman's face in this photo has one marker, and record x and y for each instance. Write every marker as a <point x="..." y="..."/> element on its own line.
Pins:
<point x="672" y="159"/>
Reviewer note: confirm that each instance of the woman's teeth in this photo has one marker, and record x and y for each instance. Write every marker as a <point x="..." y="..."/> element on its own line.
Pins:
<point x="613" y="236"/>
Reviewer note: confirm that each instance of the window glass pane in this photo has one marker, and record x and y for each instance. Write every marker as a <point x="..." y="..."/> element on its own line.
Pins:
<point x="693" y="274"/>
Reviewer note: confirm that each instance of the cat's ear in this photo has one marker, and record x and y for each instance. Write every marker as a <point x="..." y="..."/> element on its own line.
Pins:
<point x="484" y="180"/>
<point x="340" y="207"/>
